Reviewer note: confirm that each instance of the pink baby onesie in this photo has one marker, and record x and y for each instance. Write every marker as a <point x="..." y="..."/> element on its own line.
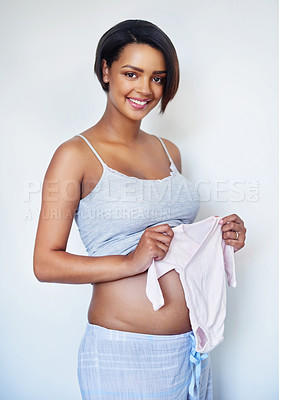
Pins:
<point x="202" y="259"/>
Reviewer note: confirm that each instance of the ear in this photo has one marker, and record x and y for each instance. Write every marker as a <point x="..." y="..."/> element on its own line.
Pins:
<point x="105" y="70"/>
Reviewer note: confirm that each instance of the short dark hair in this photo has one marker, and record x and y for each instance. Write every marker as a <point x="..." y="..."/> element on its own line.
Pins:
<point x="139" y="31"/>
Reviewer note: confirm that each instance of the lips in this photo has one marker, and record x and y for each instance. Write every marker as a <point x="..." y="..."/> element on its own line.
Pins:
<point x="139" y="104"/>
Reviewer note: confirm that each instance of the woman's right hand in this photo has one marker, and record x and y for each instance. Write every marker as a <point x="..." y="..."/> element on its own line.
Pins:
<point x="153" y="244"/>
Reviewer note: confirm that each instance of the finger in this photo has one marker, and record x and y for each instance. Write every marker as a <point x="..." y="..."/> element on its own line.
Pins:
<point x="163" y="228"/>
<point x="232" y="226"/>
<point x="161" y="251"/>
<point x="235" y="243"/>
<point x="160" y="237"/>
<point x="231" y="235"/>
<point x="162" y="247"/>
<point x="231" y="218"/>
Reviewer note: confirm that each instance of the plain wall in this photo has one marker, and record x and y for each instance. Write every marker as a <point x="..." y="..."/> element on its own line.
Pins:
<point x="224" y="120"/>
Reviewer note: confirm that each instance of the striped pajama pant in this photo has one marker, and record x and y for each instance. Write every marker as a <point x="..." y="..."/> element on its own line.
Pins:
<point x="115" y="365"/>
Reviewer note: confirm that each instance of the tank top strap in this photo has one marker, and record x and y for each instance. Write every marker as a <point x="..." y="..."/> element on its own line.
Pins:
<point x="164" y="147"/>
<point x="94" y="151"/>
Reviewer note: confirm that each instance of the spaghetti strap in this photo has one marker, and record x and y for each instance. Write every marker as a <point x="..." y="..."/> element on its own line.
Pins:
<point x="94" y="151"/>
<point x="164" y="147"/>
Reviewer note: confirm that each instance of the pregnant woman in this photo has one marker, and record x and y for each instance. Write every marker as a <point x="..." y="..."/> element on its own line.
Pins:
<point x="125" y="189"/>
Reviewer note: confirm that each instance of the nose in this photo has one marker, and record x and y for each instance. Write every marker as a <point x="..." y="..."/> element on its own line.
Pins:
<point x="143" y="86"/>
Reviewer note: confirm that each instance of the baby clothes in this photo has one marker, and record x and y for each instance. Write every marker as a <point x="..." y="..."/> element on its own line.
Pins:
<point x="203" y="260"/>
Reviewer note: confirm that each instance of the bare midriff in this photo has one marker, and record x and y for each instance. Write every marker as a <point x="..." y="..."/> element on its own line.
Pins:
<point x="123" y="305"/>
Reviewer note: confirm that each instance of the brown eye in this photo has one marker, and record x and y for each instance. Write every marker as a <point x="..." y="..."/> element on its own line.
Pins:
<point x="158" y="79"/>
<point x="130" y="74"/>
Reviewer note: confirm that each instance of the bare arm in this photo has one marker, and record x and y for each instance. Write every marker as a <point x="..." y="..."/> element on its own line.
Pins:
<point x="60" y="198"/>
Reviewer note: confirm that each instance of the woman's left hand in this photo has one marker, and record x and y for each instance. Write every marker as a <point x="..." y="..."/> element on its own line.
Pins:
<point x="234" y="231"/>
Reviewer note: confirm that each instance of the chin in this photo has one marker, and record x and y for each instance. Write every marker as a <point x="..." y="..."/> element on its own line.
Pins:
<point x="139" y="115"/>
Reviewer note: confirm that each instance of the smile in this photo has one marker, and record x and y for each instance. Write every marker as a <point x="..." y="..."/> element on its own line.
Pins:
<point x="138" y="104"/>
<point x="141" y="102"/>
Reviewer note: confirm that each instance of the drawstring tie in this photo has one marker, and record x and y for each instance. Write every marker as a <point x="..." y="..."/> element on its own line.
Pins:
<point x="195" y="358"/>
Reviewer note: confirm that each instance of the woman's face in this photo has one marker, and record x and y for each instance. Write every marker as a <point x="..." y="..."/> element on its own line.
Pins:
<point x="136" y="80"/>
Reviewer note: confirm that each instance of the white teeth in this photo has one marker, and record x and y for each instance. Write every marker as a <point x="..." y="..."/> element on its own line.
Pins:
<point x="141" y="103"/>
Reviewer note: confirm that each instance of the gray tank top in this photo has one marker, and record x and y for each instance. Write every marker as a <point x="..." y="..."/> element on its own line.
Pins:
<point x="113" y="216"/>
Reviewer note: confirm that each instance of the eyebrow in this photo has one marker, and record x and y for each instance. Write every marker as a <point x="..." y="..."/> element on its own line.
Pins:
<point x="141" y="70"/>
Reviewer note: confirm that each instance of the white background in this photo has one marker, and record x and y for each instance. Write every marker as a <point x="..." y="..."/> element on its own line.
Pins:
<point x="224" y="120"/>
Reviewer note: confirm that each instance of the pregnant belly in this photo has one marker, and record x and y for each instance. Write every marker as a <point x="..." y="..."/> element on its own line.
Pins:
<point x="123" y="305"/>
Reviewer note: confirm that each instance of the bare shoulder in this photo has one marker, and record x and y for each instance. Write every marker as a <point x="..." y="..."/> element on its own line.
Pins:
<point x="174" y="153"/>
<point x="68" y="159"/>
<point x="71" y="147"/>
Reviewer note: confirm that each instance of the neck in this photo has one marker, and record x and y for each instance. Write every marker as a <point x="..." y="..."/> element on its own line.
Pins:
<point x="117" y="127"/>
